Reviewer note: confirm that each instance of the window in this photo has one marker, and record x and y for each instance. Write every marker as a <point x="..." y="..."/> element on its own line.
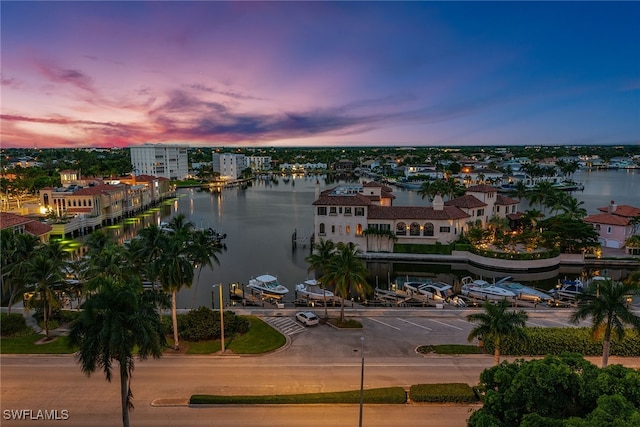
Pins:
<point x="359" y="211"/>
<point x="445" y="229"/>
<point x="347" y="229"/>
<point x="347" y="211"/>
<point x="497" y="208"/>
<point x="322" y="210"/>
<point x="340" y="209"/>
<point x="480" y="212"/>
<point x="359" y="230"/>
<point x="609" y="230"/>
<point x="333" y="229"/>
<point x="414" y="229"/>
<point x="513" y="209"/>
<point x="333" y="210"/>
<point x="321" y="229"/>
<point x="428" y="229"/>
<point x="401" y="229"/>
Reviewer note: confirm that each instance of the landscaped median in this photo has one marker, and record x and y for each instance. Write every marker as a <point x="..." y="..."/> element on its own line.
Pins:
<point x="449" y="393"/>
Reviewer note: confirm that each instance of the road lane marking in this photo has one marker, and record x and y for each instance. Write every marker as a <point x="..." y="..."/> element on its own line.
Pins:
<point x="386" y="324"/>
<point x="446" y="324"/>
<point x="535" y="324"/>
<point x="562" y="323"/>
<point x="414" y="324"/>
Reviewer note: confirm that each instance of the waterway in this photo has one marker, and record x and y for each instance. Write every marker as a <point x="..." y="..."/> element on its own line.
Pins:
<point x="260" y="220"/>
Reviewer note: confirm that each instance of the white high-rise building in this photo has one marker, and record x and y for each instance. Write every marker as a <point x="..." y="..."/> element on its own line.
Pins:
<point x="259" y="163"/>
<point x="168" y="161"/>
<point x="229" y="166"/>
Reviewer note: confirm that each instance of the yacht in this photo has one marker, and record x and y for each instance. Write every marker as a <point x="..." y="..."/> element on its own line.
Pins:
<point x="478" y="288"/>
<point x="523" y="292"/>
<point x="311" y="289"/>
<point x="439" y="292"/>
<point x="268" y="284"/>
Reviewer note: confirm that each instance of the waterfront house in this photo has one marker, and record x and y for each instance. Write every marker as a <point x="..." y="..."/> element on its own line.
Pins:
<point x="344" y="213"/>
<point x="614" y="224"/>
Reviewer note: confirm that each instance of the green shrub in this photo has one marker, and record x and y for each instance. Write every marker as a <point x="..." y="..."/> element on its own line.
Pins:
<point x="451" y="393"/>
<point x="555" y="341"/>
<point x="13" y="324"/>
<point x="204" y="324"/>
<point x="389" y="395"/>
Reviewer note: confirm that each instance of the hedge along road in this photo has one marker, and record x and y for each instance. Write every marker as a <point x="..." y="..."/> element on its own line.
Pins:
<point x="319" y="359"/>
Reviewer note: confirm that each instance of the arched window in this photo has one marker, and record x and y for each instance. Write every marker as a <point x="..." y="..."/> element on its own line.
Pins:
<point x="359" y="230"/>
<point x="414" y="229"/>
<point x="428" y="229"/>
<point x="401" y="229"/>
<point x="321" y="230"/>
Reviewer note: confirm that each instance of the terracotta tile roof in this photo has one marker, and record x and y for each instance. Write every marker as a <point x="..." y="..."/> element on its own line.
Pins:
<point x="377" y="184"/>
<point x="11" y="220"/>
<point x="387" y="195"/>
<point x="37" y="228"/>
<point x="32" y="226"/>
<point x="608" y="219"/>
<point x="414" y="212"/>
<point x="514" y="216"/>
<point x="482" y="188"/>
<point x="504" y="200"/>
<point x="326" y="199"/>
<point x="623" y="210"/>
<point x="467" y="201"/>
<point x="94" y="191"/>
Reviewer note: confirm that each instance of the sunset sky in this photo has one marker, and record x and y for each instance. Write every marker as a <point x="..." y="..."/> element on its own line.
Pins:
<point x="117" y="74"/>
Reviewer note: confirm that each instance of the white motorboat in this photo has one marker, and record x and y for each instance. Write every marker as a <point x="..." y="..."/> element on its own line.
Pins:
<point x="478" y="288"/>
<point x="312" y="289"/>
<point x="568" y="289"/>
<point x="523" y="292"/>
<point x="440" y="292"/>
<point x="268" y="284"/>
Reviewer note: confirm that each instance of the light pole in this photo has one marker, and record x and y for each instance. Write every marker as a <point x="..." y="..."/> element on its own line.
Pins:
<point x="361" y="379"/>
<point x="221" y="317"/>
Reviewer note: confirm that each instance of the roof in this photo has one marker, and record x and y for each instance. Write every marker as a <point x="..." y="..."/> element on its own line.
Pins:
<point x="606" y="218"/>
<point x="415" y="212"/>
<point x="504" y="200"/>
<point x="79" y="210"/>
<point x="32" y="226"/>
<point x="96" y="190"/>
<point x="342" y="200"/>
<point x="623" y="210"/>
<point x="482" y="188"/>
<point x="377" y="184"/>
<point x="467" y="202"/>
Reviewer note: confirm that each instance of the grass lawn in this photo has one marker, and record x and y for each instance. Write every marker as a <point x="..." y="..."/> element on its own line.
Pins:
<point x="450" y="349"/>
<point x="27" y="345"/>
<point x="261" y="338"/>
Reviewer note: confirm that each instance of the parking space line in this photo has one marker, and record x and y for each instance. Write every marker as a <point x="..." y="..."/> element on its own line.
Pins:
<point x="414" y="324"/>
<point x="386" y="324"/>
<point x="562" y="323"/>
<point x="446" y="324"/>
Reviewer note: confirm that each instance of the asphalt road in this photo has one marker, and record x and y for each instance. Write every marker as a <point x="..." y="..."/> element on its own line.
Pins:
<point x="316" y="359"/>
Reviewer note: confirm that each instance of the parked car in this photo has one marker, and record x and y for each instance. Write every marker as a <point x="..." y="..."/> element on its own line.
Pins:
<point x="307" y="318"/>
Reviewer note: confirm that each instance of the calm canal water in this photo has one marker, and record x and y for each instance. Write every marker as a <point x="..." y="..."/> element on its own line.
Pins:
<point x="260" y="220"/>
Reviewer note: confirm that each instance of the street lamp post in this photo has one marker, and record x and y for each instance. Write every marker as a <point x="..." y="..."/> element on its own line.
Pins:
<point x="361" y="379"/>
<point x="221" y="317"/>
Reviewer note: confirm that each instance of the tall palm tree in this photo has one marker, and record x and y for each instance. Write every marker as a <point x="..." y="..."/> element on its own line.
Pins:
<point x="15" y="251"/>
<point x="347" y="272"/>
<point x="573" y="208"/>
<point x="116" y="321"/>
<point x="45" y="273"/>
<point x="206" y="250"/>
<point x="496" y="323"/>
<point x="319" y="260"/>
<point x="605" y="302"/>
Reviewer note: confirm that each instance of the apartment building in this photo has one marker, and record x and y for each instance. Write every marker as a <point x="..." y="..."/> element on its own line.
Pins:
<point x="167" y="161"/>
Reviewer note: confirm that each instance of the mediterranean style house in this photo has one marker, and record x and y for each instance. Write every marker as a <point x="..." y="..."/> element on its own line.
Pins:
<point x="614" y="225"/>
<point x="364" y="215"/>
<point x="19" y="224"/>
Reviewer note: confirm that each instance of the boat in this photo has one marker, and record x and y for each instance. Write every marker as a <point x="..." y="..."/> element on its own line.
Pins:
<point x="478" y="288"/>
<point x="523" y="292"/>
<point x="439" y="292"/>
<point x="311" y="289"/>
<point x="268" y="284"/>
<point x="568" y="289"/>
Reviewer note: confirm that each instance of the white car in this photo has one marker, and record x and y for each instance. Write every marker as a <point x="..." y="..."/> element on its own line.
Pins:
<point x="307" y="318"/>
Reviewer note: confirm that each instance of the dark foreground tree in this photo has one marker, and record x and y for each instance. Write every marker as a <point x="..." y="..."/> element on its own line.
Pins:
<point x="115" y="321"/>
<point x="564" y="390"/>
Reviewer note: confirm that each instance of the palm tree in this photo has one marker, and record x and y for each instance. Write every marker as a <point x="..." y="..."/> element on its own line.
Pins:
<point x="540" y="194"/>
<point x="574" y="208"/>
<point x="320" y="260"/>
<point x="116" y="321"/>
<point x="206" y="247"/>
<point x="496" y="324"/>
<point x="45" y="273"/>
<point x="15" y="251"/>
<point x="605" y="302"/>
<point x="347" y="272"/>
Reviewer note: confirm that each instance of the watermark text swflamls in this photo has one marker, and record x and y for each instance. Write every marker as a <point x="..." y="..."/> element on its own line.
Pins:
<point x="36" y="414"/>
